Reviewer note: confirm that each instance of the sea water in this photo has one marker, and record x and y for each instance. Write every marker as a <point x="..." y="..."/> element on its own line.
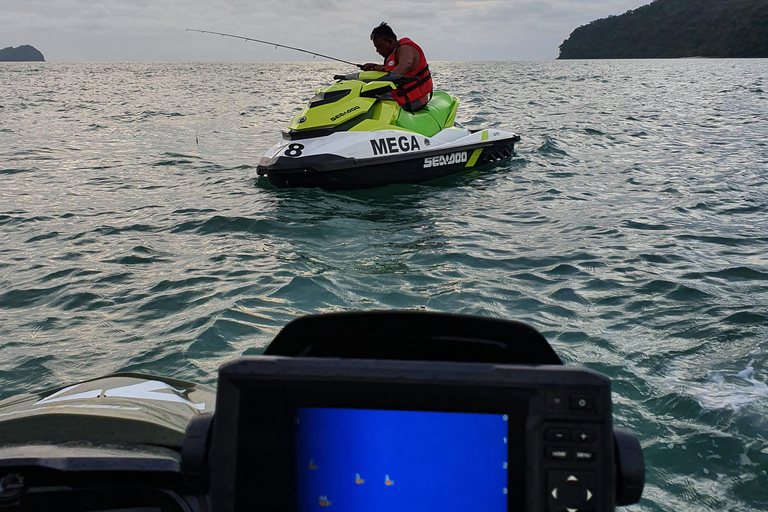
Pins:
<point x="631" y="229"/>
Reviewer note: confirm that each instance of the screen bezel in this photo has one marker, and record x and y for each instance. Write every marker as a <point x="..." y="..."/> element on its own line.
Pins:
<point x="265" y="466"/>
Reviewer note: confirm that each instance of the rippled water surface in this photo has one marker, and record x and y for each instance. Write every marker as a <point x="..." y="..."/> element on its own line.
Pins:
<point x="631" y="229"/>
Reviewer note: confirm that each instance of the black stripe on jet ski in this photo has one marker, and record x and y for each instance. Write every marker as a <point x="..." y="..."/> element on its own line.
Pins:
<point x="324" y="132"/>
<point x="324" y="98"/>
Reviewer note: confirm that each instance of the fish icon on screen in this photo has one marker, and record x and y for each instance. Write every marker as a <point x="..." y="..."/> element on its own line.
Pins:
<point x="324" y="501"/>
<point x="387" y="481"/>
<point x="312" y="464"/>
<point x="359" y="480"/>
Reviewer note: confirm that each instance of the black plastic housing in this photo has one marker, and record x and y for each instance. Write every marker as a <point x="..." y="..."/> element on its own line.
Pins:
<point x="561" y="451"/>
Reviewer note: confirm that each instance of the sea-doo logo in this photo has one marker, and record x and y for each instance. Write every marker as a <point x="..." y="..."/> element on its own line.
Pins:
<point x="11" y="486"/>
<point x="395" y="145"/>
<point x="337" y="116"/>
<point x="453" y="158"/>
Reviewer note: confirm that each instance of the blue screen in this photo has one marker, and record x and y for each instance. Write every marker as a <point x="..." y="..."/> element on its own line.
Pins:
<point x="386" y="461"/>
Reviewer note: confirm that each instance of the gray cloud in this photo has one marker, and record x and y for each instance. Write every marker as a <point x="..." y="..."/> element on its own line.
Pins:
<point x="142" y="30"/>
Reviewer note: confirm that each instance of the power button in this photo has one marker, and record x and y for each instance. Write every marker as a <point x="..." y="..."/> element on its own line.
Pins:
<point x="582" y="403"/>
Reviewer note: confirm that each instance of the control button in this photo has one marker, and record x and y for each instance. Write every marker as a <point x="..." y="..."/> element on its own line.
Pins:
<point x="569" y="491"/>
<point x="556" y="402"/>
<point x="558" y="435"/>
<point x="585" y="435"/>
<point x="584" y="455"/>
<point x="582" y="402"/>
<point x="589" y="501"/>
<point x="558" y="454"/>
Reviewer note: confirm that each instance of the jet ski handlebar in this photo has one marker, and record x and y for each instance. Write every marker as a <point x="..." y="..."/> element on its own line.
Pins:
<point x="388" y="77"/>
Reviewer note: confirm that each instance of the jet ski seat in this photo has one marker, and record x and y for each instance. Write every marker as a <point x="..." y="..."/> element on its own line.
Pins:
<point x="439" y="113"/>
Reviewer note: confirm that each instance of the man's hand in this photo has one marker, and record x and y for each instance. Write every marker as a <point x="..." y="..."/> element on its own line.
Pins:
<point x="373" y="67"/>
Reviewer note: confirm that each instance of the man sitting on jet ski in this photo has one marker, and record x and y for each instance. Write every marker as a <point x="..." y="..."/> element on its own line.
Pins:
<point x="403" y="57"/>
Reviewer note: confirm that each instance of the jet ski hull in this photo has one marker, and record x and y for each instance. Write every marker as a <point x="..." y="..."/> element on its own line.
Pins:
<point x="334" y="171"/>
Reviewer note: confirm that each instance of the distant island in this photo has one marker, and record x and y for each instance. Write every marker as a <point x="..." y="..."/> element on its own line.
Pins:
<point x="674" y="29"/>
<point x="23" y="53"/>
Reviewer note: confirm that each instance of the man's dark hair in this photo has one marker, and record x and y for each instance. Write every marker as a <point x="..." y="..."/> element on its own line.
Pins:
<point x="383" y="30"/>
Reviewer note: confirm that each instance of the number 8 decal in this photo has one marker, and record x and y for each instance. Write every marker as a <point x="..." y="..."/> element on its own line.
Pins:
<point x="294" y="149"/>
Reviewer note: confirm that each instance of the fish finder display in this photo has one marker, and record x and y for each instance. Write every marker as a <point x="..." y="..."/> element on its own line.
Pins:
<point x="385" y="460"/>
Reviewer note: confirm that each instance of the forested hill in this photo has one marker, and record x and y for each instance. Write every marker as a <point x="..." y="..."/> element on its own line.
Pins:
<point x="675" y="28"/>
<point x="23" y="53"/>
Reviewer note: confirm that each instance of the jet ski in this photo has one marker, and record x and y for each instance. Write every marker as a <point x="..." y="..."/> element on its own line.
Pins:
<point x="111" y="443"/>
<point x="350" y="136"/>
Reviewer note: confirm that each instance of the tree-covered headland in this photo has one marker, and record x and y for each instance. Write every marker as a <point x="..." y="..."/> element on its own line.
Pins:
<point x="673" y="29"/>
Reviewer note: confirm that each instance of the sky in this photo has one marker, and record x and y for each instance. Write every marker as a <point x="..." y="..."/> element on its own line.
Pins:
<point x="154" y="31"/>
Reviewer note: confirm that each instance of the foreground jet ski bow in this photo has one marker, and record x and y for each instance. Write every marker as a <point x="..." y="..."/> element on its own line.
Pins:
<point x="349" y="137"/>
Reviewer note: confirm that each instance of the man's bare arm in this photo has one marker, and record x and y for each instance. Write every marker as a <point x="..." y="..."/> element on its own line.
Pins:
<point x="407" y="59"/>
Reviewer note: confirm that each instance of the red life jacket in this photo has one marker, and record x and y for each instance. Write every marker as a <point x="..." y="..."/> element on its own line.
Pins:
<point x="412" y="91"/>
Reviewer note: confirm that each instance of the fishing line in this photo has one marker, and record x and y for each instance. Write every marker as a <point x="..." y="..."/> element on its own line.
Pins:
<point x="276" y="45"/>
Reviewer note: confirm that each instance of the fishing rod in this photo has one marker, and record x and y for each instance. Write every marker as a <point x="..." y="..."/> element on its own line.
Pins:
<point x="276" y="45"/>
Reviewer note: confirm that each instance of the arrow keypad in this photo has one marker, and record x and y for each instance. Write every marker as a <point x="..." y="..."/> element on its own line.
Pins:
<point x="571" y="491"/>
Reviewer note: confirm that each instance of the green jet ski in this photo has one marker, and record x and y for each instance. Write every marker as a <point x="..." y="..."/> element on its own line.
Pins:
<point x="350" y="137"/>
